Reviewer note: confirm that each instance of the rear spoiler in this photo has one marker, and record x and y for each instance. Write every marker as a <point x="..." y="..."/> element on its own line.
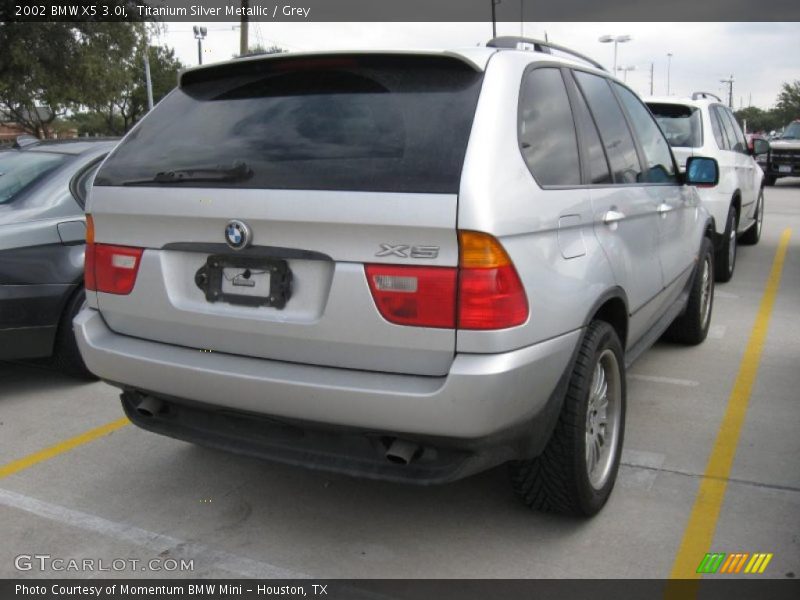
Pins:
<point x="269" y="63"/>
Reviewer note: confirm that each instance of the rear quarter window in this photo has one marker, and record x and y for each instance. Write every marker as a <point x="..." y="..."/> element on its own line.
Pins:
<point x="363" y="123"/>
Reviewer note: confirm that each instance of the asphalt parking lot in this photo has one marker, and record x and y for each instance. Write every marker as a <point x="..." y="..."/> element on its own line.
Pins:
<point x="122" y="493"/>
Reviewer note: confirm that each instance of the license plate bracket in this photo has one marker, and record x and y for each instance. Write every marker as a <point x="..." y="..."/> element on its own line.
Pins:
<point x="210" y="276"/>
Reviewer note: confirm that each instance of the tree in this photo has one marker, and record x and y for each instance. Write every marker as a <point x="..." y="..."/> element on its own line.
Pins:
<point x="129" y="103"/>
<point x="259" y="49"/>
<point x="758" y="119"/>
<point x="788" y="103"/>
<point x="47" y="69"/>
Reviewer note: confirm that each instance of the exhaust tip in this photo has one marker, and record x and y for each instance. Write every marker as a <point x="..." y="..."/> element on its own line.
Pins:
<point x="402" y="452"/>
<point x="150" y="407"/>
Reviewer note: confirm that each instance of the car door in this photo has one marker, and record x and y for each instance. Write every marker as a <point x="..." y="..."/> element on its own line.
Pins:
<point x="746" y="170"/>
<point x="675" y="204"/>
<point x="732" y="169"/>
<point x="625" y="217"/>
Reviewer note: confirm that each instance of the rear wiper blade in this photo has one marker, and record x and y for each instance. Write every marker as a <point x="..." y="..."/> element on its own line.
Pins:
<point x="240" y="171"/>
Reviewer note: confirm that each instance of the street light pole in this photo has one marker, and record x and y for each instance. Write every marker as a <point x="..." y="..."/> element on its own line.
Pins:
<point x="494" y="17"/>
<point x="625" y="72"/>
<point x="669" y="66"/>
<point x="199" y="35"/>
<point x="617" y="39"/>
<point x="243" y="41"/>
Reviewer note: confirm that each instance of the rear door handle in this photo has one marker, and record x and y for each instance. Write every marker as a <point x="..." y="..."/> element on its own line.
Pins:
<point x="664" y="208"/>
<point x="612" y="216"/>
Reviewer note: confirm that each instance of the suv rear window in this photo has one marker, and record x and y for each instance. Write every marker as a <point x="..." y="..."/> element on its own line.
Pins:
<point x="364" y="123"/>
<point x="681" y="124"/>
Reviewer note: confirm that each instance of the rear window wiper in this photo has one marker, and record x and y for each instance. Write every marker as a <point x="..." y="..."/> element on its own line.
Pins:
<point x="240" y="171"/>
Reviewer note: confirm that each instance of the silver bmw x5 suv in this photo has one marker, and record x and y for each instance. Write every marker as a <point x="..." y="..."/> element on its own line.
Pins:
<point x="408" y="266"/>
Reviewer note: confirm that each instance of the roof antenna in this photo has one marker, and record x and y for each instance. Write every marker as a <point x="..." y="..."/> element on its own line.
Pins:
<point x="545" y="36"/>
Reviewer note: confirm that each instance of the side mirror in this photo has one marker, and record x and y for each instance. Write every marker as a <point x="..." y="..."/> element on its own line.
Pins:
<point x="702" y="171"/>
<point x="760" y="147"/>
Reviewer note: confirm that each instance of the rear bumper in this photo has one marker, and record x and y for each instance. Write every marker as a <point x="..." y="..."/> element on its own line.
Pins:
<point x="503" y="405"/>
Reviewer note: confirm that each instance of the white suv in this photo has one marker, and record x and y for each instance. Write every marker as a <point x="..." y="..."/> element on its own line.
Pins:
<point x="703" y="126"/>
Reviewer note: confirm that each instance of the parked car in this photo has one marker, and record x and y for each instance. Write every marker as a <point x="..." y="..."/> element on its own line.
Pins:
<point x="43" y="188"/>
<point x="784" y="154"/>
<point x="702" y="125"/>
<point x="405" y="266"/>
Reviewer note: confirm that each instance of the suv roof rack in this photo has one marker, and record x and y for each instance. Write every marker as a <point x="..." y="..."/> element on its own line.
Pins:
<point x="515" y="42"/>
<point x="698" y="95"/>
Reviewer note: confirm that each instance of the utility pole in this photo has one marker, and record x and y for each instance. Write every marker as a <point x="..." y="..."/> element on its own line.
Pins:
<point x="147" y="80"/>
<point x="669" y="67"/>
<point x="651" y="77"/>
<point x="244" y="45"/>
<point x="729" y="81"/>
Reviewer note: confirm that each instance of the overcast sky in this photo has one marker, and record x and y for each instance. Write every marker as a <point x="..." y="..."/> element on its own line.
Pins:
<point x="760" y="56"/>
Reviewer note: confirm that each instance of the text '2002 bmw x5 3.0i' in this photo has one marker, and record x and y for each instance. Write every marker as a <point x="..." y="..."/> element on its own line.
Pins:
<point x="404" y="266"/>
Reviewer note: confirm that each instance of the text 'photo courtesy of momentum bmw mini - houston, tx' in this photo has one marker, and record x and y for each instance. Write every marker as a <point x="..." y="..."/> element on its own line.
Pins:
<point x="342" y="281"/>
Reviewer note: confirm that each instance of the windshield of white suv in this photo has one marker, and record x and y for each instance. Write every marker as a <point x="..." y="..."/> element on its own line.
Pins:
<point x="681" y="124"/>
<point x="792" y="132"/>
<point x="342" y="122"/>
<point x="19" y="170"/>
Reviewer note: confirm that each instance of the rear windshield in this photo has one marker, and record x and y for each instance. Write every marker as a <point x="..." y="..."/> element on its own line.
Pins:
<point x="370" y="123"/>
<point x="681" y="124"/>
<point x="20" y="170"/>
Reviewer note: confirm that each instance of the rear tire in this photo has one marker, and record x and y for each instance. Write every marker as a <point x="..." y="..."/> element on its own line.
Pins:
<point x="752" y="235"/>
<point x="66" y="356"/>
<point x="692" y="326"/>
<point x="577" y="469"/>
<point x="725" y="259"/>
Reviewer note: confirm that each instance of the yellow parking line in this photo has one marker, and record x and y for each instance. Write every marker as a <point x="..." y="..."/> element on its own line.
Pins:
<point x="60" y="448"/>
<point x="700" y="529"/>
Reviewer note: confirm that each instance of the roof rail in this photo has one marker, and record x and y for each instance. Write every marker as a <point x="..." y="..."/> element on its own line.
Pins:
<point x="697" y="95"/>
<point x="523" y="43"/>
<point x="25" y="140"/>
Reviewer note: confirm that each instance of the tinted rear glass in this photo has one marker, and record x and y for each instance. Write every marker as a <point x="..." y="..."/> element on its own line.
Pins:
<point x="681" y="124"/>
<point x="20" y="170"/>
<point x="371" y="123"/>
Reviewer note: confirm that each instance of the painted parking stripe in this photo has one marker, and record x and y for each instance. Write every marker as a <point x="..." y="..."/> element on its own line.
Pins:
<point x="702" y="523"/>
<point x="61" y="447"/>
<point x="155" y="542"/>
<point x="669" y="380"/>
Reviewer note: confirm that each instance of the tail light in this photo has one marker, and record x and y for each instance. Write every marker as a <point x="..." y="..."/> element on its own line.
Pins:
<point x="107" y="268"/>
<point x="490" y="293"/>
<point x="419" y="296"/>
<point x="483" y="293"/>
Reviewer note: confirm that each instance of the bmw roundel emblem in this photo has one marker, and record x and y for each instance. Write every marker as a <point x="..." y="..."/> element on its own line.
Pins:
<point x="237" y="234"/>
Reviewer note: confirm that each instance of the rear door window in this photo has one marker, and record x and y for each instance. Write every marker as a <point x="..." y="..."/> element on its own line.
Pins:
<point x="546" y="129"/>
<point x="660" y="168"/>
<point x="594" y="154"/>
<point x="388" y="123"/>
<point x="738" y="134"/>
<point x="614" y="131"/>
